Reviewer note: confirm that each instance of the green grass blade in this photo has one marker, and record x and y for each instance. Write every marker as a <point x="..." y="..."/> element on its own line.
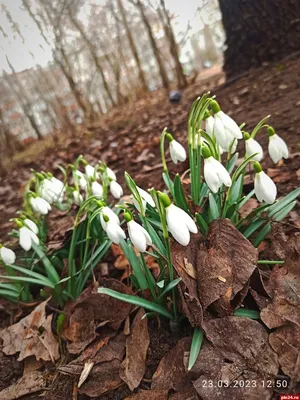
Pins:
<point x="28" y="280"/>
<point x="242" y="312"/>
<point x="32" y="274"/>
<point x="274" y="208"/>
<point x="179" y="196"/>
<point x="170" y="286"/>
<point x="202" y="224"/>
<point x="213" y="208"/>
<point x="196" y="344"/>
<point x="49" y="268"/>
<point x="138" y="301"/>
<point x="262" y="234"/>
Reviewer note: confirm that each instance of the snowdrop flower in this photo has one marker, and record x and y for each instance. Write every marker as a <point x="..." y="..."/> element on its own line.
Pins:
<point x="31" y="225"/>
<point x="40" y="205"/>
<point x="110" y="214"/>
<point x="179" y="223"/>
<point x="215" y="173"/>
<point x="225" y="128"/>
<point x="97" y="190"/>
<point x="90" y="171"/>
<point x="7" y="255"/>
<point x="77" y="197"/>
<point x="26" y="238"/>
<point x="116" y="189"/>
<point x="252" y="147"/>
<point x="146" y="198"/>
<point x="177" y="151"/>
<point x="277" y="146"/>
<point x="265" y="188"/>
<point x="111" y="174"/>
<point x="113" y="230"/>
<point x="139" y="237"/>
<point x="81" y="180"/>
<point x="52" y="190"/>
<point x="209" y="125"/>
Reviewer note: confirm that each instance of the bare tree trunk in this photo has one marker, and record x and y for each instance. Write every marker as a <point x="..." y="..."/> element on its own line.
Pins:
<point x="159" y="61"/>
<point x="91" y="48"/>
<point x="132" y="46"/>
<point x="21" y="95"/>
<point x="164" y="16"/>
<point x="259" y="31"/>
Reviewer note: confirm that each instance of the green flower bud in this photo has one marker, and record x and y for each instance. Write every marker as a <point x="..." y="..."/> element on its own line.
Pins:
<point x="246" y="135"/>
<point x="164" y="198"/>
<point x="214" y="105"/>
<point x="206" y="153"/>
<point x="271" y="131"/>
<point x="257" y="167"/>
<point x="127" y="216"/>
<point x="169" y="137"/>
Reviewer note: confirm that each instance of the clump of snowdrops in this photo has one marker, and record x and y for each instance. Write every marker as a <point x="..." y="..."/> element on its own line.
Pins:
<point x="149" y="223"/>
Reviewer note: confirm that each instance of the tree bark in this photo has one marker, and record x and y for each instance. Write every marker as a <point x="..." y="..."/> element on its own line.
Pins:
<point x="258" y="31"/>
<point x="166" y="21"/>
<point x="132" y="46"/>
<point x="92" y="50"/>
<point x="159" y="61"/>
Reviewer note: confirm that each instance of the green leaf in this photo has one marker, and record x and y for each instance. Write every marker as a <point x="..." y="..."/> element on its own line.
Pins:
<point x="284" y="211"/>
<point x="9" y="286"/>
<point x="33" y="274"/>
<point x="262" y="234"/>
<point x="213" y="208"/>
<point x="25" y="279"/>
<point x="235" y="190"/>
<point x="179" y="196"/>
<point x="246" y="198"/>
<point x="253" y="227"/>
<point x="138" y="301"/>
<point x="156" y="240"/>
<point x="168" y="182"/>
<point x="232" y="162"/>
<point x="8" y="294"/>
<point x="274" y="208"/>
<point x="49" y="268"/>
<point x="202" y="224"/>
<point x="170" y="286"/>
<point x="135" y="264"/>
<point x="259" y="126"/>
<point x="243" y="312"/>
<point x="196" y="344"/>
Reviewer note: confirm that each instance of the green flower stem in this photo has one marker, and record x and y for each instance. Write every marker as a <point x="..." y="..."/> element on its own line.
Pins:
<point x="271" y="262"/>
<point x="171" y="276"/>
<point x="163" y="159"/>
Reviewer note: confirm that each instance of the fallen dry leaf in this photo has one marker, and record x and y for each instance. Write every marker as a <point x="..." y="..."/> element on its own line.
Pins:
<point x="137" y="343"/>
<point x="285" y="292"/>
<point x="230" y="256"/>
<point x="81" y="330"/>
<point x="243" y="341"/>
<point x="28" y="384"/>
<point x="171" y="372"/>
<point x="32" y="336"/>
<point x="149" y="395"/>
<point x="188" y="286"/>
<point x="286" y="342"/>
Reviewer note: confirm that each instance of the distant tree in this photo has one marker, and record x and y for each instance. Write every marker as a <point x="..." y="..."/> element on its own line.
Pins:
<point x="259" y="31"/>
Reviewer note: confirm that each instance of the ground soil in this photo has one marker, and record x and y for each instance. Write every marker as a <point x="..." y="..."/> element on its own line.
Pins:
<point x="128" y="140"/>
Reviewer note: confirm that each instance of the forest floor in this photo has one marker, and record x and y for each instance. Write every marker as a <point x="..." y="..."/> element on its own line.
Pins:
<point x="127" y="139"/>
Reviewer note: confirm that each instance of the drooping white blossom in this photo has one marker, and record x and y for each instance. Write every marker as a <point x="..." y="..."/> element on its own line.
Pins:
<point x="116" y="189"/>
<point x="39" y="205"/>
<point x="177" y="152"/>
<point x="7" y="255"/>
<point x="277" y="148"/>
<point x="138" y="235"/>
<point x="27" y="237"/>
<point x="180" y="224"/>
<point x="215" y="174"/>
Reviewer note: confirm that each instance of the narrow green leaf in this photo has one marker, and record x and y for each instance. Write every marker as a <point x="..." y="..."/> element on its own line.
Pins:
<point x="232" y="162"/>
<point x="9" y="293"/>
<point x="196" y="344"/>
<point x="246" y="198"/>
<point x="235" y="190"/>
<point x="9" y="286"/>
<point x="25" y="279"/>
<point x="170" y="286"/>
<point x="138" y="301"/>
<point x="274" y="208"/>
<point x="242" y="312"/>
<point x="168" y="182"/>
<point x="179" y="196"/>
<point x="284" y="211"/>
<point x="253" y="227"/>
<point x="135" y="264"/>
<point x="49" y="268"/>
<point x="213" y="208"/>
<point x="262" y="234"/>
<point x="33" y="274"/>
<point x="202" y="224"/>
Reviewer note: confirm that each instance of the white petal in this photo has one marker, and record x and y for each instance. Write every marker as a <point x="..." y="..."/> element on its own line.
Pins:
<point x="177" y="152"/>
<point x="177" y="226"/>
<point x="190" y="223"/>
<point x="209" y="126"/>
<point x="25" y="238"/>
<point x="252" y="147"/>
<point x="137" y="236"/>
<point x="115" y="232"/>
<point x="222" y="173"/>
<point x="78" y="199"/>
<point x="265" y="188"/>
<point x="7" y="255"/>
<point x="231" y="125"/>
<point x="146" y="196"/>
<point x="211" y="177"/>
<point x="277" y="148"/>
<point x="110" y="214"/>
<point x="116" y="189"/>
<point x="221" y="137"/>
<point x="31" y="225"/>
<point x="89" y="171"/>
<point x="97" y="190"/>
<point x="111" y="174"/>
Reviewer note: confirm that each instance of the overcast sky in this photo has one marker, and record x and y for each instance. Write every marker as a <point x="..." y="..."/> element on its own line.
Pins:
<point x="19" y="52"/>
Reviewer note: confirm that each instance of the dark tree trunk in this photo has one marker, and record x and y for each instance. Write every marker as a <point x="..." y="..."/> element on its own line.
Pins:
<point x="161" y="67"/>
<point x="259" y="31"/>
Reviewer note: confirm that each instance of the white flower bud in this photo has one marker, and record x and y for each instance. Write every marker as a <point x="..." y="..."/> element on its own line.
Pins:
<point x="177" y="152"/>
<point x="180" y="224"/>
<point x="7" y="255"/>
<point x="138" y="235"/>
<point x="116" y="189"/>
